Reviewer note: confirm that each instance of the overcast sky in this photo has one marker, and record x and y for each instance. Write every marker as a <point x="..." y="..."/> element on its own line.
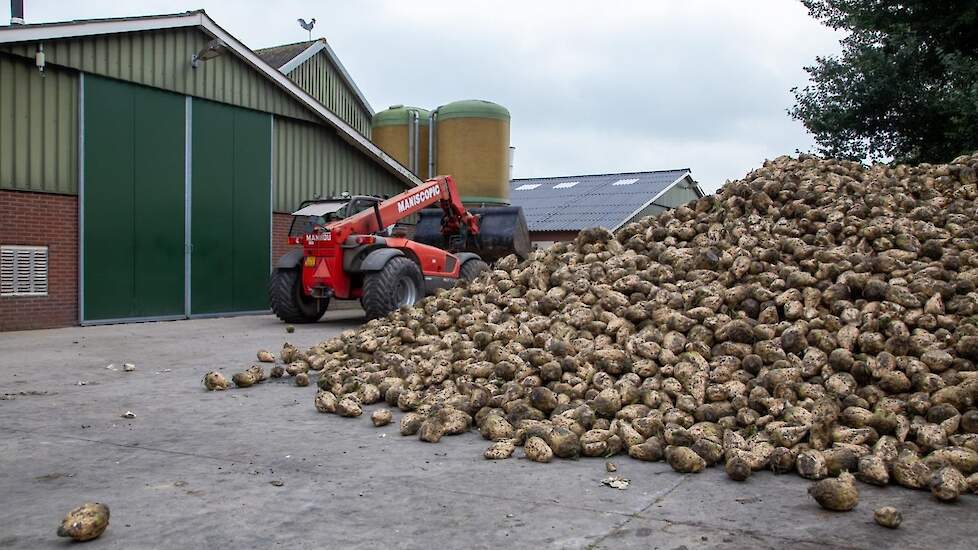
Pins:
<point x="593" y="87"/>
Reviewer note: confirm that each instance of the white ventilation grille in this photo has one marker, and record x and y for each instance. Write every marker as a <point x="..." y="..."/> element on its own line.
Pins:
<point x="566" y="185"/>
<point x="527" y="187"/>
<point x="23" y="270"/>
<point x="625" y="182"/>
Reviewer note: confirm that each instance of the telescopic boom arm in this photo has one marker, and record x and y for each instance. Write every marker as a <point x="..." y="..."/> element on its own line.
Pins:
<point x="441" y="190"/>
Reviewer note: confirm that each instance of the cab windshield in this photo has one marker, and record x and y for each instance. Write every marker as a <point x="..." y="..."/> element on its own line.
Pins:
<point x="305" y="220"/>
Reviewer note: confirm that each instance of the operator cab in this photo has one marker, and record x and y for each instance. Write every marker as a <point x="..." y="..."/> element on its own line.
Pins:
<point x="313" y="216"/>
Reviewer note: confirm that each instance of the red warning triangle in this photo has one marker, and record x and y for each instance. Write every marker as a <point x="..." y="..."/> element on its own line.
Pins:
<point x="322" y="272"/>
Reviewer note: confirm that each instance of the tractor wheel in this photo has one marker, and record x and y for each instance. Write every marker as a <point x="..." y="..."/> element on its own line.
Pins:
<point x="288" y="300"/>
<point x="472" y="269"/>
<point x="398" y="284"/>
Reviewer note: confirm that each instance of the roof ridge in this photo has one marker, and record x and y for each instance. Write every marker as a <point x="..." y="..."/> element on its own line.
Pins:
<point x="300" y="52"/>
<point x="608" y="174"/>
<point x="310" y="42"/>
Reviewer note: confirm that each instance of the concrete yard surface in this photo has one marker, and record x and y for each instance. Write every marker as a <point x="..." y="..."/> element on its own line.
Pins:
<point x="260" y="468"/>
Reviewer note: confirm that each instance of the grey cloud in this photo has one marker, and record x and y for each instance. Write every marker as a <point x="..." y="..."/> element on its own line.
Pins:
<point x="592" y="87"/>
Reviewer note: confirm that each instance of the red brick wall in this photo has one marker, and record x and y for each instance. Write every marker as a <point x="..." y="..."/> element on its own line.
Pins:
<point x="42" y="219"/>
<point x="280" y="235"/>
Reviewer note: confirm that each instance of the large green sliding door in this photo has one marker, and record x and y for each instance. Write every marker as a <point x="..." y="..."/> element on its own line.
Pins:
<point x="230" y="208"/>
<point x="132" y="201"/>
<point x="134" y="198"/>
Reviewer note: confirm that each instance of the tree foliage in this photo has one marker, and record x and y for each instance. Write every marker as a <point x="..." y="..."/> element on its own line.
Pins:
<point x="905" y="85"/>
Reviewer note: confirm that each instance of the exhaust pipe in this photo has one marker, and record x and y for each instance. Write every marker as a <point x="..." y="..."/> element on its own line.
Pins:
<point x="16" y="12"/>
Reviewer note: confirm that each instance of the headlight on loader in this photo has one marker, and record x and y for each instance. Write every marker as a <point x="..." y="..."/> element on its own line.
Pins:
<point x="310" y="261"/>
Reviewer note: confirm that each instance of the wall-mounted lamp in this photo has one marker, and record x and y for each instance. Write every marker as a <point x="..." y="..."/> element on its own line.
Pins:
<point x="213" y="49"/>
<point x="39" y="60"/>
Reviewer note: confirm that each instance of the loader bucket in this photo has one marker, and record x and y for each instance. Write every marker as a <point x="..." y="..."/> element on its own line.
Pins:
<point x="502" y="231"/>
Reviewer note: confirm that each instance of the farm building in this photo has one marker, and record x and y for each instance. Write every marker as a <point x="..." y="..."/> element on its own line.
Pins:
<point x="315" y="68"/>
<point x="148" y="165"/>
<point x="557" y="208"/>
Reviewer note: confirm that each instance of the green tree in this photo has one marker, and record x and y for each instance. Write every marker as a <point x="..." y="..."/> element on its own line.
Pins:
<point x="905" y="86"/>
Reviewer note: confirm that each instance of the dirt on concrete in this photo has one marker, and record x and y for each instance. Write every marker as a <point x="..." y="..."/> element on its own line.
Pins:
<point x="260" y="468"/>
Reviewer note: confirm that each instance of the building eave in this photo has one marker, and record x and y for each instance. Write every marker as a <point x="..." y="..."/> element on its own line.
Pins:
<point x="84" y="28"/>
<point x="93" y="27"/>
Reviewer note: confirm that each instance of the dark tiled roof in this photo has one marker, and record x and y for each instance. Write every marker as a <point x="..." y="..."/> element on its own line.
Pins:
<point x="276" y="56"/>
<point x="605" y="200"/>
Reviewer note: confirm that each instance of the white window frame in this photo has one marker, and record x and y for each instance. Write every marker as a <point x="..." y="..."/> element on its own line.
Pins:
<point x="35" y="254"/>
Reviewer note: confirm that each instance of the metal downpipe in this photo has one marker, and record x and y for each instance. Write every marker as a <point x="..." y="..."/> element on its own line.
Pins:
<point x="412" y="160"/>
<point x="416" y="160"/>
<point x="432" y="121"/>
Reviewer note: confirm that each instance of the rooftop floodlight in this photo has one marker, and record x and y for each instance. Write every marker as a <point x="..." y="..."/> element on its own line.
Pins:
<point x="213" y="49"/>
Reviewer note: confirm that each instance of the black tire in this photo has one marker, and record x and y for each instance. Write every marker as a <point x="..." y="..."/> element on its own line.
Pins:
<point x="390" y="288"/>
<point x="472" y="269"/>
<point x="288" y="301"/>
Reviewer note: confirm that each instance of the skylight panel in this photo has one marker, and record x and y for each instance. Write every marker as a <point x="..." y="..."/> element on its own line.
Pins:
<point x="527" y="187"/>
<point x="628" y="181"/>
<point x="566" y="185"/>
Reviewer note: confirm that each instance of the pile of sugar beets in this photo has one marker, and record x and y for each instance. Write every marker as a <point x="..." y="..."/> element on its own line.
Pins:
<point x="817" y="317"/>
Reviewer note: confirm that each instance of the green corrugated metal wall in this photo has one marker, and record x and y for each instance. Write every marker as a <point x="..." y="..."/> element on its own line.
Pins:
<point x="161" y="59"/>
<point x="311" y="160"/>
<point x="38" y="127"/>
<point x="320" y="79"/>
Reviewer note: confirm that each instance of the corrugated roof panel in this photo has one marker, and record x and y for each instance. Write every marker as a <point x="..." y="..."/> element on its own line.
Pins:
<point x="579" y="202"/>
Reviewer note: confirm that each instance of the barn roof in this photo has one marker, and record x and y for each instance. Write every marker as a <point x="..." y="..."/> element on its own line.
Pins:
<point x="287" y="57"/>
<point x="598" y="200"/>
<point x="277" y="56"/>
<point x="199" y="19"/>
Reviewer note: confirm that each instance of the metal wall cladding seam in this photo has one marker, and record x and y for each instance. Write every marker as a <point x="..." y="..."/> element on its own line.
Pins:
<point x="312" y="161"/>
<point x="320" y="79"/>
<point x="162" y="59"/>
<point x="38" y="127"/>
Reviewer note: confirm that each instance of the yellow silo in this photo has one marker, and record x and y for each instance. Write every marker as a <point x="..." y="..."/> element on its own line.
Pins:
<point x="472" y="145"/>
<point x="402" y="132"/>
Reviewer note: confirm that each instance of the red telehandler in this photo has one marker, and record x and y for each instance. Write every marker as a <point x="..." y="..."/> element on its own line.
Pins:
<point x="351" y="250"/>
